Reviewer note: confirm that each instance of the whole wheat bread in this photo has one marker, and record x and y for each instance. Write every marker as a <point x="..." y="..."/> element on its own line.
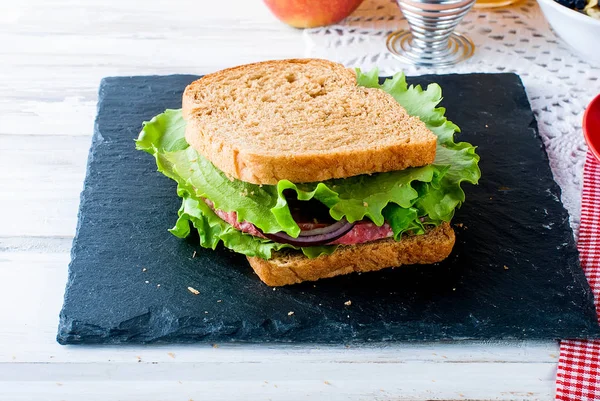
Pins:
<point x="304" y="120"/>
<point x="291" y="268"/>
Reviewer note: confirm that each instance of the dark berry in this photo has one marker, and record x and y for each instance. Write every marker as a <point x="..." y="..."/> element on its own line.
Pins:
<point x="580" y="4"/>
<point x="566" y="3"/>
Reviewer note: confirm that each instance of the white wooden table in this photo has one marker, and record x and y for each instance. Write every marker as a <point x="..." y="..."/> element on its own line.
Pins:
<point x="52" y="57"/>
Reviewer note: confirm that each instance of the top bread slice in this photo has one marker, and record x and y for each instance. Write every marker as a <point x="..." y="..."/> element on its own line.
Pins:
<point x="304" y="120"/>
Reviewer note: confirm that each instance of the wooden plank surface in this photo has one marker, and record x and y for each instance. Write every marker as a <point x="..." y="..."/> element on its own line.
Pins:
<point x="54" y="54"/>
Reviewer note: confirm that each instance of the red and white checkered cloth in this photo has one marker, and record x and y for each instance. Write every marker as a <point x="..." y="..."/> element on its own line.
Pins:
<point x="578" y="376"/>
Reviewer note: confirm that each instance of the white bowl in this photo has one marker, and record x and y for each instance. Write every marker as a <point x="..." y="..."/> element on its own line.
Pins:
<point x="578" y="30"/>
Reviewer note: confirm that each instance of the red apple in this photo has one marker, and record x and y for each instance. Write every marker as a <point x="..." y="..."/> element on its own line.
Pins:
<point x="312" y="13"/>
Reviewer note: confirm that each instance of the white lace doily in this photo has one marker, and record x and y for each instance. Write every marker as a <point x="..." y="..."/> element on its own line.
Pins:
<point x="515" y="39"/>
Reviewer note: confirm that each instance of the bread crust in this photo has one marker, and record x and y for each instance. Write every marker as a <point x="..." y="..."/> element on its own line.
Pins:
<point x="287" y="268"/>
<point x="256" y="126"/>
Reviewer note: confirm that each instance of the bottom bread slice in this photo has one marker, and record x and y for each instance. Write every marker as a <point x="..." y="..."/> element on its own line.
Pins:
<point x="292" y="267"/>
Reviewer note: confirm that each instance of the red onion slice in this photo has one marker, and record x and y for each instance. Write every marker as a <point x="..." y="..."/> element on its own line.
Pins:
<point x="314" y="237"/>
<point x="325" y="230"/>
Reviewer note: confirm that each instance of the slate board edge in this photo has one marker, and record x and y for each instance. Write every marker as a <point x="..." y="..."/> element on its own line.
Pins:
<point x="578" y="272"/>
<point x="64" y="321"/>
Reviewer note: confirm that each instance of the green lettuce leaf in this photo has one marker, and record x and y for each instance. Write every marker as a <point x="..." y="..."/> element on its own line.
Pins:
<point x="212" y="230"/>
<point x="405" y="199"/>
<point x="437" y="202"/>
<point x="403" y="220"/>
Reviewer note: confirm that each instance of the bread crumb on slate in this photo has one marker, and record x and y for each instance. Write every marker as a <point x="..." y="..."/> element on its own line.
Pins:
<point x="193" y="290"/>
<point x="505" y="267"/>
<point x="348" y="303"/>
<point x="290" y="313"/>
<point x="459" y="225"/>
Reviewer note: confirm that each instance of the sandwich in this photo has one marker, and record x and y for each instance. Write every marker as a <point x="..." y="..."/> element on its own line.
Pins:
<point x="313" y="170"/>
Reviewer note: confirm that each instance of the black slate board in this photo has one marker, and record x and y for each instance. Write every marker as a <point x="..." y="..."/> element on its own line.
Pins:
<point x="513" y="218"/>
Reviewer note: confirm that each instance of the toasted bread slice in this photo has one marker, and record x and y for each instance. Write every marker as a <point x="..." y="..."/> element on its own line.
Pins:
<point x="292" y="267"/>
<point x="304" y="120"/>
